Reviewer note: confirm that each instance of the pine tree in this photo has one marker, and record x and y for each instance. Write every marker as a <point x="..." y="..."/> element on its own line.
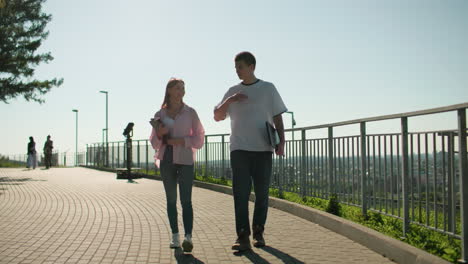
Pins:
<point x="22" y="30"/>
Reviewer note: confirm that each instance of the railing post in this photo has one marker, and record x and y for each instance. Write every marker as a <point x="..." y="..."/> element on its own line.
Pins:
<point x="118" y="154"/>
<point x="138" y="156"/>
<point x="96" y="151"/>
<point x="405" y="174"/>
<point x="363" y="169"/>
<point x="223" y="175"/>
<point x="280" y="176"/>
<point x="90" y="155"/>
<point x="124" y="154"/>
<point x="147" y="157"/>
<point x="303" y="162"/>
<point x="451" y="183"/>
<point x="206" y="156"/>
<point x="462" y="159"/>
<point x="113" y="164"/>
<point x="331" y="169"/>
<point x="100" y="155"/>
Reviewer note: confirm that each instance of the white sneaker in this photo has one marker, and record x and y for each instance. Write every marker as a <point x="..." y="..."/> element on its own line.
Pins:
<point x="175" y="243"/>
<point x="187" y="245"/>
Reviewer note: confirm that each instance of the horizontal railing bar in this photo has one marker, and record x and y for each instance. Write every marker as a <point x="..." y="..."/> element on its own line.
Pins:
<point x="218" y="135"/>
<point x="387" y="117"/>
<point x="368" y="135"/>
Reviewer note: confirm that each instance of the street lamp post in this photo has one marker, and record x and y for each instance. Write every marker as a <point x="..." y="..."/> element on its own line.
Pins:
<point x="293" y="122"/>
<point x="103" y="148"/>
<point x="103" y="130"/>
<point x="76" y="137"/>
<point x="107" y="129"/>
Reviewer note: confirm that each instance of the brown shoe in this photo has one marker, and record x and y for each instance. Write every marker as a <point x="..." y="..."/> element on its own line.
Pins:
<point x="258" y="240"/>
<point x="242" y="242"/>
<point x="235" y="246"/>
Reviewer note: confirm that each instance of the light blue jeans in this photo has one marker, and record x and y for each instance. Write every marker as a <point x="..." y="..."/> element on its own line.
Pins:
<point x="183" y="174"/>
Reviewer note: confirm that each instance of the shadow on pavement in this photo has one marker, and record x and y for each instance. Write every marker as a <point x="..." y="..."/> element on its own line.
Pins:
<point x="132" y="181"/>
<point x="286" y="258"/>
<point x="252" y="256"/>
<point x="4" y="181"/>
<point x="15" y="181"/>
<point x="185" y="258"/>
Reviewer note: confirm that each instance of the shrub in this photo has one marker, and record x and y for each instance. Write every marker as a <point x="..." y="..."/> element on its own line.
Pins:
<point x="334" y="206"/>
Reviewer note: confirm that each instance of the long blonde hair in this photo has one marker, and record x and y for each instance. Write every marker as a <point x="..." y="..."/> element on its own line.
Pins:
<point x="171" y="83"/>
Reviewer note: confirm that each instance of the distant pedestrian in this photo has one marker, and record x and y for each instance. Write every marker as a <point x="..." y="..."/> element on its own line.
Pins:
<point x="250" y="105"/>
<point x="32" y="154"/>
<point x="48" y="147"/>
<point x="176" y="135"/>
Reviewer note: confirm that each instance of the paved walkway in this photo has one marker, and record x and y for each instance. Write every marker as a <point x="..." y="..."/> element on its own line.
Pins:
<point x="77" y="215"/>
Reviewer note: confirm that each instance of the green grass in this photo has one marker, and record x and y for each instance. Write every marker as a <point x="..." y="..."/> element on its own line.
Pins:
<point x="6" y="163"/>
<point x="220" y="181"/>
<point x="149" y="172"/>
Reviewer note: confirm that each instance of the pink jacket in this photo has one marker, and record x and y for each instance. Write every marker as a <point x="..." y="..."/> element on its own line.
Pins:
<point x="187" y="125"/>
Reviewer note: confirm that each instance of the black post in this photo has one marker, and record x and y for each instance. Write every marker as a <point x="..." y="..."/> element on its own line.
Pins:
<point x="363" y="169"/>
<point x="129" y="157"/>
<point x="331" y="183"/>
<point x="128" y="132"/>
<point x="463" y="165"/>
<point x="405" y="175"/>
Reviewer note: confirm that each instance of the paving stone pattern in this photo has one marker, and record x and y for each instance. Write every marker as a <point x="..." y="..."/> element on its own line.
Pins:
<point x="78" y="215"/>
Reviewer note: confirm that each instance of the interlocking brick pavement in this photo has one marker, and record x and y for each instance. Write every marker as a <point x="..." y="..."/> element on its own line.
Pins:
<point x="78" y="215"/>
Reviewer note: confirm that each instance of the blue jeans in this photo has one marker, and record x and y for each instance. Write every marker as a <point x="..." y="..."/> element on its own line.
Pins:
<point x="183" y="174"/>
<point x="248" y="166"/>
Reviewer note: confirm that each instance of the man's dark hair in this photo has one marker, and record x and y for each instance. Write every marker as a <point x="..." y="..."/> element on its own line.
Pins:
<point x="246" y="57"/>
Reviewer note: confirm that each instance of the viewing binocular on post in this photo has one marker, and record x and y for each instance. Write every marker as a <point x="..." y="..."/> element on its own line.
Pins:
<point x="128" y="129"/>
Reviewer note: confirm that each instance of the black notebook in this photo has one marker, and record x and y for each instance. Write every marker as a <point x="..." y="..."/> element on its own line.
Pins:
<point x="273" y="137"/>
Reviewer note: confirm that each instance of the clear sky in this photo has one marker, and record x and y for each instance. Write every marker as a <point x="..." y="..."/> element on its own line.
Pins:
<point x="330" y="60"/>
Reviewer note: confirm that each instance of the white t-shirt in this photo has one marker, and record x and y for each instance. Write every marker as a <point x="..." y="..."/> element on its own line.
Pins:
<point x="248" y="129"/>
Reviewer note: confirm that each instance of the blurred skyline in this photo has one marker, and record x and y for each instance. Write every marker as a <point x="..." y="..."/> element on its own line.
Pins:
<point x="331" y="61"/>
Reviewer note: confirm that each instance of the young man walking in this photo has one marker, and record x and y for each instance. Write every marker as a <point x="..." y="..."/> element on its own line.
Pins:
<point x="250" y="104"/>
<point x="48" y="147"/>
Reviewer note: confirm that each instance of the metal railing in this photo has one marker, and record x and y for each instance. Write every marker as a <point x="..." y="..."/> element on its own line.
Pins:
<point x="65" y="159"/>
<point x="142" y="155"/>
<point x="418" y="177"/>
